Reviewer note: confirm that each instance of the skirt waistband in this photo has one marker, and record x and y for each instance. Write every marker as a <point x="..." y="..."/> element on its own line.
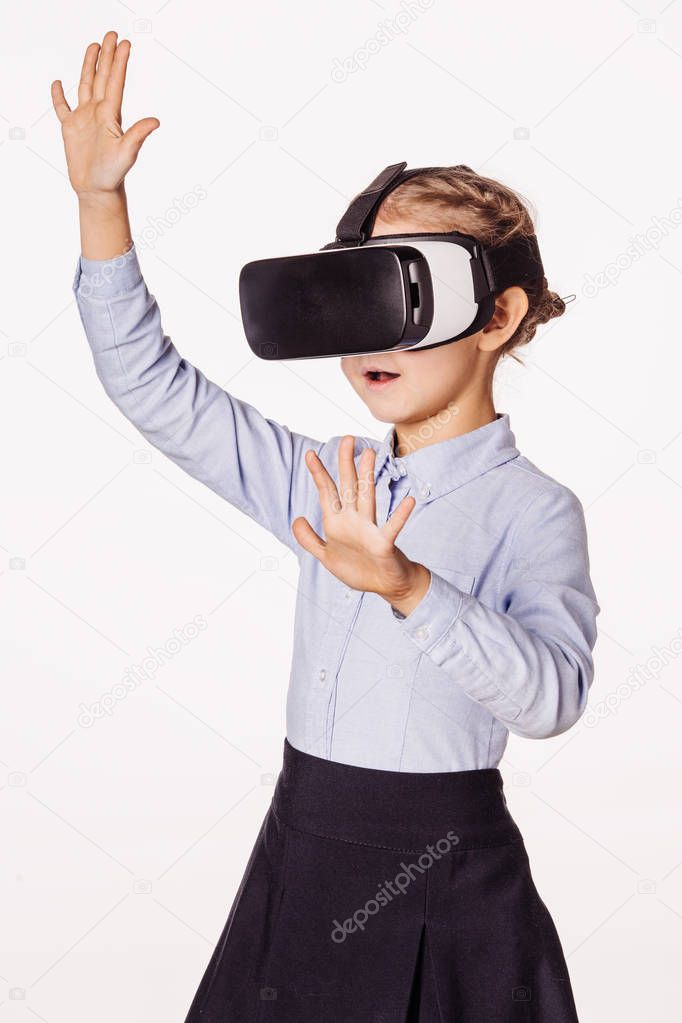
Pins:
<point x="397" y="810"/>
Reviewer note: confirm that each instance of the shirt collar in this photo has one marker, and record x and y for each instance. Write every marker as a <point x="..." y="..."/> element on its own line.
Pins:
<point x="439" y="468"/>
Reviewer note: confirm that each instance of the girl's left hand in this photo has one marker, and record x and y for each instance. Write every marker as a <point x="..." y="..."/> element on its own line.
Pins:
<point x="356" y="550"/>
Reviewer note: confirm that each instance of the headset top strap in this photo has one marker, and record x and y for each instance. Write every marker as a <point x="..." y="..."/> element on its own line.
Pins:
<point x="357" y="221"/>
<point x="516" y="262"/>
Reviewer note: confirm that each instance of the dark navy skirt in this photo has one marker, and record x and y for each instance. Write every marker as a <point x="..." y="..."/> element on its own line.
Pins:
<point x="386" y="897"/>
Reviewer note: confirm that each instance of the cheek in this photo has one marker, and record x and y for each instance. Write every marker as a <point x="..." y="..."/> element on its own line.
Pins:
<point x="432" y="365"/>
<point x="450" y="361"/>
<point x="346" y="368"/>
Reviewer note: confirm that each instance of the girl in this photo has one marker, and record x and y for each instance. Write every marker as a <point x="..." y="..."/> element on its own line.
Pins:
<point x="389" y="881"/>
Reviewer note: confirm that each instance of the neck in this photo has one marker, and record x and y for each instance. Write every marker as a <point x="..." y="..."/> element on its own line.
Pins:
<point x="457" y="418"/>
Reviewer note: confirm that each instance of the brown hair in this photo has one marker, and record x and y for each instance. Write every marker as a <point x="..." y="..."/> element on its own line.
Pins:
<point x="459" y="199"/>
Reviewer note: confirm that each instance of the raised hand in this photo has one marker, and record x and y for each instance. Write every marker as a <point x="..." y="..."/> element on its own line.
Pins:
<point x="99" y="153"/>
<point x="356" y="550"/>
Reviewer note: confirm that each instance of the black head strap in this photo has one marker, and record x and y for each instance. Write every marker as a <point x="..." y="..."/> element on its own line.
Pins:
<point x="516" y="262"/>
<point x="357" y="222"/>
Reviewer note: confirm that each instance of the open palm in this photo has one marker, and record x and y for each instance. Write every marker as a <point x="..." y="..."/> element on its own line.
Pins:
<point x="98" y="152"/>
<point x="355" y="549"/>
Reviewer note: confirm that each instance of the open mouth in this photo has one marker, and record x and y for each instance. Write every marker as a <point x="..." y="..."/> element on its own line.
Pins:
<point x="379" y="378"/>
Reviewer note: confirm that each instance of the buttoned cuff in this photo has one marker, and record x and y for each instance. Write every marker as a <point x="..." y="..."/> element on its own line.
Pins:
<point x="104" y="279"/>
<point x="434" y="615"/>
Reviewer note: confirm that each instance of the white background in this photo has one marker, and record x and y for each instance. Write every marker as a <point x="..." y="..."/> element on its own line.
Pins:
<point x="124" y="843"/>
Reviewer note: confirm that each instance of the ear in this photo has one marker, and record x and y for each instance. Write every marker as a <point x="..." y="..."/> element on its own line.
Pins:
<point x="510" y="308"/>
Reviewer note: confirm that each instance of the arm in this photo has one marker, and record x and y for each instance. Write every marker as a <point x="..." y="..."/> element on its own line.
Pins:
<point x="249" y="460"/>
<point x="255" y="464"/>
<point x="531" y="664"/>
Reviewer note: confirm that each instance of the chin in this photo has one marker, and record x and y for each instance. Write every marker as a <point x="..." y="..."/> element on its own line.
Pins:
<point x="386" y="413"/>
<point x="383" y="417"/>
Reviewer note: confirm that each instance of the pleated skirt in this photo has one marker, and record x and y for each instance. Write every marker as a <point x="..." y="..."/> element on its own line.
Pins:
<point x="386" y="897"/>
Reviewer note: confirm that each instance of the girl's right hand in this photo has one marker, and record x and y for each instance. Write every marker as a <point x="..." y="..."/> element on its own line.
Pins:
<point x="99" y="153"/>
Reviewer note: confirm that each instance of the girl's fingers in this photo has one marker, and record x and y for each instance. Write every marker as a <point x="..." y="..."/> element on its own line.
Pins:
<point x="326" y="488"/>
<point x="348" y="479"/>
<point x="114" y="87"/>
<point x="106" y="58"/>
<point x="88" y="73"/>
<point x="137" y="133"/>
<point x="307" y="537"/>
<point x="366" y="489"/>
<point x="398" y="518"/>
<point x="61" y="107"/>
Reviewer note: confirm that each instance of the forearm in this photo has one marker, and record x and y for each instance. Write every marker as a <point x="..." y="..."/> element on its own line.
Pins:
<point x="537" y="686"/>
<point x="254" y="463"/>
<point x="527" y="654"/>
<point x="104" y="224"/>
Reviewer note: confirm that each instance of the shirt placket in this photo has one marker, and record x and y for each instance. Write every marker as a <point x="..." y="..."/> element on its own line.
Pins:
<point x="344" y="611"/>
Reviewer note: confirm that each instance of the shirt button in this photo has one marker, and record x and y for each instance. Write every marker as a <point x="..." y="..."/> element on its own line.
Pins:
<point x="348" y="594"/>
<point x="425" y="490"/>
<point x="323" y="674"/>
<point x="421" y="633"/>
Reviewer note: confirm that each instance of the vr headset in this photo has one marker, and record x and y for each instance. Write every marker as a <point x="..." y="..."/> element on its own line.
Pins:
<point x="361" y="295"/>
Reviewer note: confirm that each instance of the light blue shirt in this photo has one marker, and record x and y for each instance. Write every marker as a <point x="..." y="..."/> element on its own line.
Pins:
<point x="501" y="642"/>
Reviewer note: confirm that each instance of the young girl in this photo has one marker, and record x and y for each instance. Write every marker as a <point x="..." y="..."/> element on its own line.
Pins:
<point x="389" y="881"/>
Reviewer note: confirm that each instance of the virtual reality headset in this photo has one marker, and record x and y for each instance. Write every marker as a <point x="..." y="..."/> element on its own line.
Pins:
<point x="363" y="296"/>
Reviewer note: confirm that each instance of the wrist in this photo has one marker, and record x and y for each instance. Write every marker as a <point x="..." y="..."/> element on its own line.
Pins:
<point x="104" y="224"/>
<point x="413" y="593"/>
<point x="109" y="203"/>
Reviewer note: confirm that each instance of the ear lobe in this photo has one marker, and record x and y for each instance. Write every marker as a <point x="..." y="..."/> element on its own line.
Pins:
<point x="510" y="308"/>
<point x="490" y="339"/>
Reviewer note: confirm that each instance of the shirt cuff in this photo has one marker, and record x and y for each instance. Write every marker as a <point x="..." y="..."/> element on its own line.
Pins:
<point x="104" y="279"/>
<point x="434" y="615"/>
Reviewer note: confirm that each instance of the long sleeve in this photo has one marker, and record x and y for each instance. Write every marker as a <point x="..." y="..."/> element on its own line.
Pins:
<point x="257" y="465"/>
<point x="530" y="664"/>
